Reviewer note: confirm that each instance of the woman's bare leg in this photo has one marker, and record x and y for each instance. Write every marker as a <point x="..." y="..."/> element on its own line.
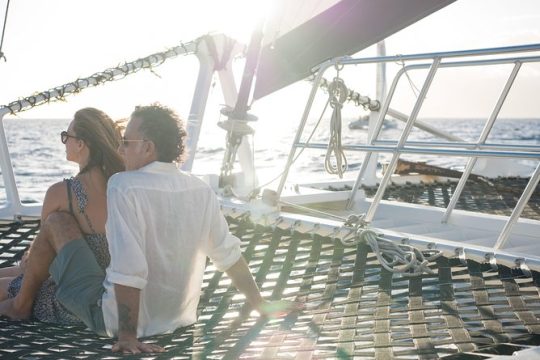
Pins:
<point x="4" y="285"/>
<point x="11" y="271"/>
<point x="14" y="271"/>
<point x="36" y="272"/>
<point x="57" y="230"/>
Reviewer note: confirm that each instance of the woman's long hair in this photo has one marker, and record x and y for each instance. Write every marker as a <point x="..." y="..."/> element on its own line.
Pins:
<point x="102" y="136"/>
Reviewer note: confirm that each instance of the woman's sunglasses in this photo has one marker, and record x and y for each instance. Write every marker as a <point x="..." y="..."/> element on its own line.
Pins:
<point x="64" y="136"/>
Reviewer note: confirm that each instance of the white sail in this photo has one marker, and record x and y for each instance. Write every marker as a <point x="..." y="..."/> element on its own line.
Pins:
<point x="287" y="15"/>
<point x="296" y="42"/>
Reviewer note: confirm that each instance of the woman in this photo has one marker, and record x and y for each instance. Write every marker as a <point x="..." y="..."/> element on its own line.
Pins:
<point x="91" y="140"/>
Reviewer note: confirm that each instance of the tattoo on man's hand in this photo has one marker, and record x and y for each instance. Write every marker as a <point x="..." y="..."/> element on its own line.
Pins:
<point x="125" y="321"/>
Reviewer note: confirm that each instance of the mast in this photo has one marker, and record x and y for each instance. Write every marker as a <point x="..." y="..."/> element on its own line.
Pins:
<point x="252" y="59"/>
<point x="236" y="124"/>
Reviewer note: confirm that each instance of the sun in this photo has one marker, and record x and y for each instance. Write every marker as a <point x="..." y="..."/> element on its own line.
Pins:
<point x="239" y="18"/>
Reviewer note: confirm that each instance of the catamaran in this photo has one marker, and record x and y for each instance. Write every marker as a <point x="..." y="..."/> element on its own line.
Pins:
<point x="453" y="273"/>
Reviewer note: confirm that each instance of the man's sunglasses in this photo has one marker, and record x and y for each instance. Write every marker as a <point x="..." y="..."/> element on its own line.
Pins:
<point x="125" y="142"/>
<point x="64" y="136"/>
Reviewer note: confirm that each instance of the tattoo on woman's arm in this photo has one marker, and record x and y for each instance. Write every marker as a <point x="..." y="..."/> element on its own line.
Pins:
<point x="125" y="322"/>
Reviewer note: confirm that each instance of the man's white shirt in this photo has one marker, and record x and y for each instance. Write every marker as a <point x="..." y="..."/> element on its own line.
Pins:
<point x="161" y="225"/>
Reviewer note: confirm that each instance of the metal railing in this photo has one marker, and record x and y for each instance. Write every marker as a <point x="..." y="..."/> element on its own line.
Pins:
<point x="14" y="208"/>
<point x="454" y="147"/>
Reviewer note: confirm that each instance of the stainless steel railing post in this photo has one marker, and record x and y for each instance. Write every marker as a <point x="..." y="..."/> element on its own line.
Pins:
<point x="373" y="136"/>
<point x="516" y="213"/>
<point x="481" y="140"/>
<point x="404" y="135"/>
<point x="13" y="201"/>
<point x="303" y="121"/>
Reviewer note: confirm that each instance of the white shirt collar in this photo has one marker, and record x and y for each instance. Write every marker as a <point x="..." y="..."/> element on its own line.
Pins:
<point x="159" y="167"/>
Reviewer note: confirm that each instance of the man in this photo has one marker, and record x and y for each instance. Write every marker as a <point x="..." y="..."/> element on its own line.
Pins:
<point x="161" y="226"/>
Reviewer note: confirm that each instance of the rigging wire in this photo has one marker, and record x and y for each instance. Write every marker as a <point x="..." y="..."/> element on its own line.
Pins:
<point x="256" y="191"/>
<point x="4" y="31"/>
<point x="413" y="86"/>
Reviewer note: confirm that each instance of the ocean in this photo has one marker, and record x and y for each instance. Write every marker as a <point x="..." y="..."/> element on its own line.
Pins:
<point x="38" y="156"/>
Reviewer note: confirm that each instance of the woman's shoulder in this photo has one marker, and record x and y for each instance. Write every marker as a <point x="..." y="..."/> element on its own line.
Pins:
<point x="58" y="188"/>
<point x="56" y="198"/>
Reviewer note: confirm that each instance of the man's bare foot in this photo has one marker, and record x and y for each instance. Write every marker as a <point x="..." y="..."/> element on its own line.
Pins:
<point x="8" y="308"/>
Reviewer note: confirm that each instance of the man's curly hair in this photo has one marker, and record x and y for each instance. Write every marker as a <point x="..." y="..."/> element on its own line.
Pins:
<point x="165" y="129"/>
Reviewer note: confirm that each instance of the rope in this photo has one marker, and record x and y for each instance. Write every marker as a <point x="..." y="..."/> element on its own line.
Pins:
<point x="256" y="191"/>
<point x="337" y="92"/>
<point x="310" y="210"/>
<point x="413" y="87"/>
<point x="4" y="31"/>
<point x="391" y="255"/>
<point x="352" y="96"/>
<point x="112" y="74"/>
<point x="396" y="258"/>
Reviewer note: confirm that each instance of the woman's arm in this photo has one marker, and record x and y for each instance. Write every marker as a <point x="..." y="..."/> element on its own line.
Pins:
<point x="56" y="199"/>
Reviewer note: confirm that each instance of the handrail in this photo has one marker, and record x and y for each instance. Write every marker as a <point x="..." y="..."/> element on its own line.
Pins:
<point x="463" y="144"/>
<point x="303" y="122"/>
<point x="398" y="115"/>
<point x="403" y="138"/>
<point x="518" y="209"/>
<point x="346" y="60"/>
<point x="483" y="137"/>
<point x="458" y="147"/>
<point x="423" y="151"/>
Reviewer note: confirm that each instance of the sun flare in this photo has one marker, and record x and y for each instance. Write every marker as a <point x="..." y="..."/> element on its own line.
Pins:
<point x="239" y="18"/>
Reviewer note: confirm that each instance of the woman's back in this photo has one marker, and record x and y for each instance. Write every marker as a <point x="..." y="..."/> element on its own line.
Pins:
<point x="87" y="201"/>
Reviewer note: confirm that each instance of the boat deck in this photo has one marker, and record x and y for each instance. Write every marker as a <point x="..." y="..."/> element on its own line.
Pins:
<point x="414" y="210"/>
<point x="491" y="196"/>
<point x="353" y="307"/>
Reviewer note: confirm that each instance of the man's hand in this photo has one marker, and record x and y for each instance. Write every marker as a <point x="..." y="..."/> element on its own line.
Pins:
<point x="127" y="299"/>
<point x="134" y="346"/>
<point x="278" y="309"/>
<point x="243" y="280"/>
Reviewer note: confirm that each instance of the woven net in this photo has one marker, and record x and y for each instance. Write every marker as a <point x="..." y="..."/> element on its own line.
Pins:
<point x="354" y="308"/>
<point x="494" y="196"/>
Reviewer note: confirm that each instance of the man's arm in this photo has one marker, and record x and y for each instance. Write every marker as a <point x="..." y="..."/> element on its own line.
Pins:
<point x="127" y="299"/>
<point x="243" y="280"/>
<point x="125" y="242"/>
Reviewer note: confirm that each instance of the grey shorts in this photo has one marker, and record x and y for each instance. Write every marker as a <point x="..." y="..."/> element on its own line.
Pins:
<point x="79" y="281"/>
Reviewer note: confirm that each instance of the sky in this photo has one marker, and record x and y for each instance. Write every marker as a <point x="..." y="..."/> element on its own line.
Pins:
<point x="49" y="43"/>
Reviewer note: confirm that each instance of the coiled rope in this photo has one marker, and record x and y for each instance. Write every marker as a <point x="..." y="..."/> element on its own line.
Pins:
<point x="394" y="257"/>
<point x="337" y="92"/>
<point x="397" y="258"/>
